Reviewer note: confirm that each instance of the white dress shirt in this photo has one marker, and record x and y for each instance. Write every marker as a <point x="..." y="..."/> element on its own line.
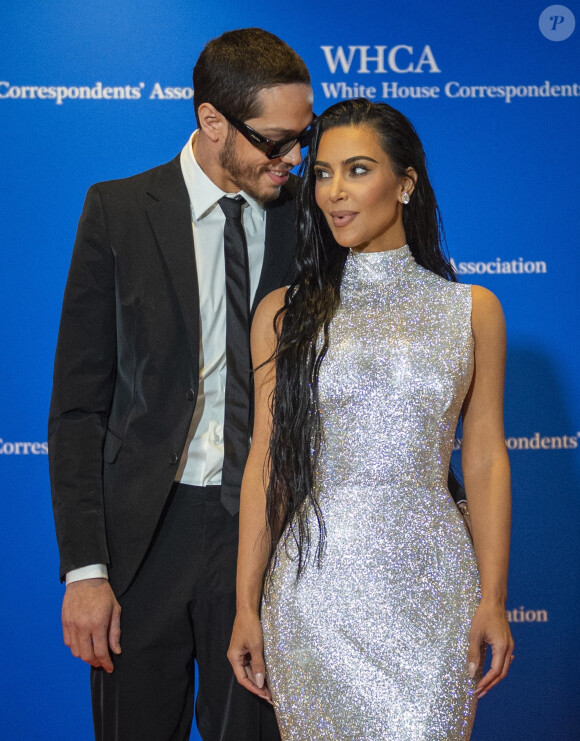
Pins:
<point x="203" y="455"/>
<point x="202" y="459"/>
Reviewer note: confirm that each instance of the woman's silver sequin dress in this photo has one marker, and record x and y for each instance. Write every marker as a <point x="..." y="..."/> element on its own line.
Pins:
<point x="373" y="643"/>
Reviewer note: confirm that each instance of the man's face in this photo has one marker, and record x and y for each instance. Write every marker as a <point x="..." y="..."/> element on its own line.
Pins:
<point x="286" y="110"/>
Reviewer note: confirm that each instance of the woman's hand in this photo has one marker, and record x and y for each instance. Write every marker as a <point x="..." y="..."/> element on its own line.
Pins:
<point x="490" y="626"/>
<point x="246" y="654"/>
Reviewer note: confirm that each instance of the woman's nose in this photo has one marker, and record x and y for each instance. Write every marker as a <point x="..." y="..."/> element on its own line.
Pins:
<point x="336" y="189"/>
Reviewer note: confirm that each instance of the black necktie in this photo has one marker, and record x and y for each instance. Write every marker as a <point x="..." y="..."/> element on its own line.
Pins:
<point x="238" y="363"/>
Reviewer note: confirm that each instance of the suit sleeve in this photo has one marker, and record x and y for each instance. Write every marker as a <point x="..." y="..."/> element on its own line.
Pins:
<point x="83" y="386"/>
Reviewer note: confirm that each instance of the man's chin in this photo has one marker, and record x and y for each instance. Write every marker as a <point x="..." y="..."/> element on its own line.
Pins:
<point x="272" y="196"/>
<point x="265" y="195"/>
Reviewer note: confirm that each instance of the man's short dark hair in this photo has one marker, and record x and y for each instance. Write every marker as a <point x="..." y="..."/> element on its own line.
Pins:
<point x="234" y="67"/>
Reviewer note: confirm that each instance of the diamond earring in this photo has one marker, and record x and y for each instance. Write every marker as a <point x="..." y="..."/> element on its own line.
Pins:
<point x="405" y="198"/>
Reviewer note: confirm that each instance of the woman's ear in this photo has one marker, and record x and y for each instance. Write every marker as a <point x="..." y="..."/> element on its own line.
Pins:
<point x="409" y="181"/>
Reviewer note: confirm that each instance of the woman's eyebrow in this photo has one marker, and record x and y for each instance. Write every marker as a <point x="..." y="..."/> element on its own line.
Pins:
<point x="348" y="161"/>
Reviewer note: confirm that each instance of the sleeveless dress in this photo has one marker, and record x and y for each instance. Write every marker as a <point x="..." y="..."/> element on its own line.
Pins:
<point x="371" y="643"/>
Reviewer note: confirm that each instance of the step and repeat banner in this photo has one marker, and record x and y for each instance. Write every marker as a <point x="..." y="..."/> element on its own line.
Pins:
<point x="102" y="89"/>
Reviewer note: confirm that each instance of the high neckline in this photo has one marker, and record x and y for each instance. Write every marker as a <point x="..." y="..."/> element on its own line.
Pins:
<point x="383" y="266"/>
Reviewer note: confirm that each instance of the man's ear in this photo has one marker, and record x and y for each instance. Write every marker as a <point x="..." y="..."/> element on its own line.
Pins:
<point x="211" y="122"/>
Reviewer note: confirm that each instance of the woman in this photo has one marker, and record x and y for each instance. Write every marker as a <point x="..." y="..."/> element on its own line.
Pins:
<point x="376" y="604"/>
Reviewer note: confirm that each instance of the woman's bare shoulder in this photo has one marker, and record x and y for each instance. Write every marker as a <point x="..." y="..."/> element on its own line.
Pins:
<point x="263" y="334"/>
<point x="486" y="309"/>
<point x="270" y="305"/>
<point x="484" y="297"/>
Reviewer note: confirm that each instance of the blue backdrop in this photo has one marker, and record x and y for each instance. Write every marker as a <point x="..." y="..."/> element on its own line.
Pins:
<point x="101" y="89"/>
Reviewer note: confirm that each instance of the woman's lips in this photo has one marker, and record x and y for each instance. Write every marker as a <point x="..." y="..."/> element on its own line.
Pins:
<point x="343" y="218"/>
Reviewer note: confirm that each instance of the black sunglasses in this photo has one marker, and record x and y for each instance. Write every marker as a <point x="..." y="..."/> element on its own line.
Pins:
<point x="272" y="149"/>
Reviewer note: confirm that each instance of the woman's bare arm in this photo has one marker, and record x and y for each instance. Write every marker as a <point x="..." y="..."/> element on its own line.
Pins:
<point x="487" y="483"/>
<point x="246" y="646"/>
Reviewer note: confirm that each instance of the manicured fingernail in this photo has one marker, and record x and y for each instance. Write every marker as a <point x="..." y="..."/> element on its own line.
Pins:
<point x="472" y="666"/>
<point x="481" y="695"/>
<point x="260" y="679"/>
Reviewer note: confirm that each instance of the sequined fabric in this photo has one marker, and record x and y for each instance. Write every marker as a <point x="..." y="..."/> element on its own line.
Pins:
<point x="372" y="643"/>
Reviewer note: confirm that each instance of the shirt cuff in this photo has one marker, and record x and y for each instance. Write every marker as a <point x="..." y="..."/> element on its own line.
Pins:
<point x="92" y="571"/>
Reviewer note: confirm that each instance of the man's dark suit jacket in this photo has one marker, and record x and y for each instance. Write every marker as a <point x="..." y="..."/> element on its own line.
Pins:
<point x="127" y="363"/>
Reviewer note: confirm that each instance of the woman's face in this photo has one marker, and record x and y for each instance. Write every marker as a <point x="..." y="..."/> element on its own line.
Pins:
<point x="357" y="190"/>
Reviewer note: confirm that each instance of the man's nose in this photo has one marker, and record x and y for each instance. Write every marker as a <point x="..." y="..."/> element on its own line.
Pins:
<point x="294" y="156"/>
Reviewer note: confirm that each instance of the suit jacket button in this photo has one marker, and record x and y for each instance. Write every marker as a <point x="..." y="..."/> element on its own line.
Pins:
<point x="190" y="395"/>
<point x="173" y="459"/>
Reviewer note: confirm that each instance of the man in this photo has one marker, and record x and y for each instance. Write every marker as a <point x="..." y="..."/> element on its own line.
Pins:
<point x="152" y="386"/>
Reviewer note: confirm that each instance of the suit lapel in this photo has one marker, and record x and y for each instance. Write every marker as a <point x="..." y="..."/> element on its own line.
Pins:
<point x="280" y="246"/>
<point x="169" y="214"/>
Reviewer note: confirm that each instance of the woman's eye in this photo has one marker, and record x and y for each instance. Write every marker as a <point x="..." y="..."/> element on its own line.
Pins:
<point x="320" y="174"/>
<point x="359" y="170"/>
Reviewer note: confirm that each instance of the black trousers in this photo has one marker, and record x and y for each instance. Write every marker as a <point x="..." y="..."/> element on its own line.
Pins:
<point x="181" y="607"/>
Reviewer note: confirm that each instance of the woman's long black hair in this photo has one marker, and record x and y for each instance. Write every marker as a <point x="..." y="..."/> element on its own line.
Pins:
<point x="310" y="304"/>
